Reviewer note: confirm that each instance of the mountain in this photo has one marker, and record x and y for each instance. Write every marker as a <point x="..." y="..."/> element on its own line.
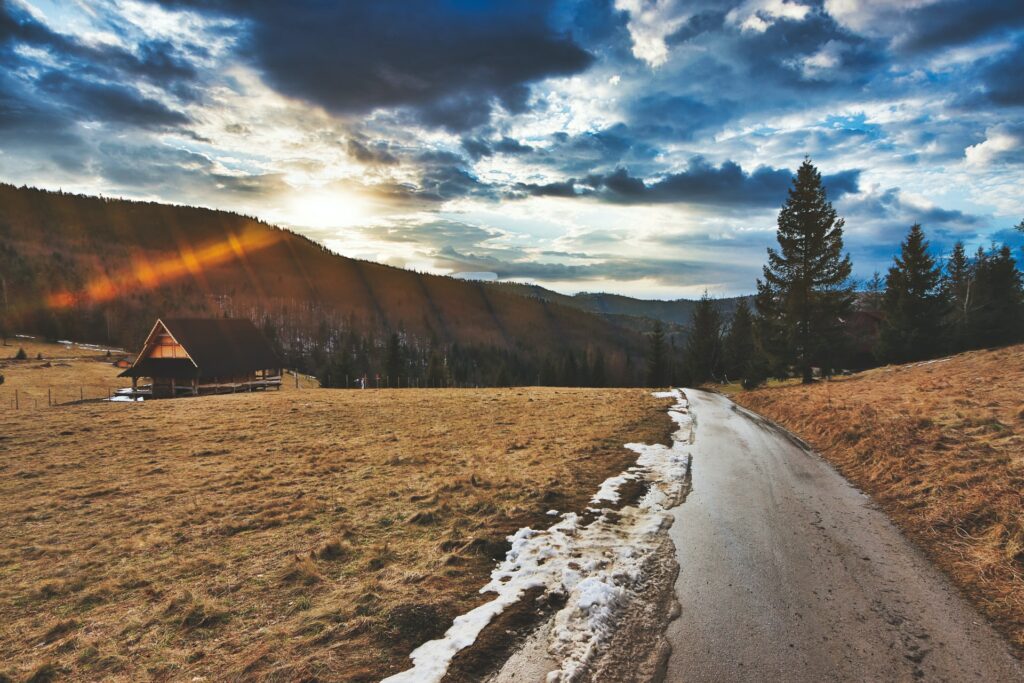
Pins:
<point x="102" y="270"/>
<point x="616" y="306"/>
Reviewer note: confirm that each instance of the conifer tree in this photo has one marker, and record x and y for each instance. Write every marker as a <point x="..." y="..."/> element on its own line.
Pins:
<point x="598" y="374"/>
<point x="657" y="361"/>
<point x="956" y="290"/>
<point x="806" y="289"/>
<point x="394" y="366"/>
<point x="999" y="304"/>
<point x="570" y="371"/>
<point x="913" y="306"/>
<point x="548" y="373"/>
<point x="874" y="289"/>
<point x="739" y="348"/>
<point x="703" y="352"/>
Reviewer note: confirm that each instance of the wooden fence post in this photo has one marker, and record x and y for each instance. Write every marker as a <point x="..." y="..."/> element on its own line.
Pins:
<point x="49" y="397"/>
<point x="16" y="405"/>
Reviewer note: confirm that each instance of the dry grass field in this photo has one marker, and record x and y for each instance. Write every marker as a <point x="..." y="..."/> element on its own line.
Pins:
<point x="284" y="536"/>
<point x="940" y="446"/>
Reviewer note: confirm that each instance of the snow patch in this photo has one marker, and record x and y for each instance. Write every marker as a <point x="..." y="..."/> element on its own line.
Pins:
<point x="596" y="565"/>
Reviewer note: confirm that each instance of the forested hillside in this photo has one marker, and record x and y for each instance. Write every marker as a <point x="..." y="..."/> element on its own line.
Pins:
<point x="676" y="312"/>
<point x="101" y="270"/>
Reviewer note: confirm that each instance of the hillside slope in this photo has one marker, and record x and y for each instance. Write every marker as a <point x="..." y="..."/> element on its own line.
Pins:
<point x="612" y="306"/>
<point x="940" y="446"/>
<point x="101" y="269"/>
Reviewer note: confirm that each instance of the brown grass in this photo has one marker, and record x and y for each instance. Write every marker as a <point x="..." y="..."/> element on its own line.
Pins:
<point x="279" y="536"/>
<point x="940" y="446"/>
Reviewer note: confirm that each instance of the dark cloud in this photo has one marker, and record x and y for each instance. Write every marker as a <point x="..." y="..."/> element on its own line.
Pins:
<point x="699" y="24"/>
<point x="478" y="148"/>
<point x="933" y="27"/>
<point x="1003" y="77"/>
<point x="371" y="154"/>
<point x="890" y="205"/>
<point x="670" y="116"/>
<point x="701" y="183"/>
<point x="596" y="151"/>
<point x="450" y="61"/>
<point x="109" y="102"/>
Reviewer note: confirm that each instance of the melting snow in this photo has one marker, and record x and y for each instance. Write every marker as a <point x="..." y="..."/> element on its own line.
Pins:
<point x="595" y="566"/>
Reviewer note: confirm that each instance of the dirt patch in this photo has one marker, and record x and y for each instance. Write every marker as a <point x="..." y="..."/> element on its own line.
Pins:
<point x="940" y="446"/>
<point x="502" y="636"/>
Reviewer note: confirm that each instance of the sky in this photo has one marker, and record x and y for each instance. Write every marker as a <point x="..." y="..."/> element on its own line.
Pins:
<point x="642" y="147"/>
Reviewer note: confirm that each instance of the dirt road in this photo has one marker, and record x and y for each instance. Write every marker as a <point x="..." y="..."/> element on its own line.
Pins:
<point x="788" y="573"/>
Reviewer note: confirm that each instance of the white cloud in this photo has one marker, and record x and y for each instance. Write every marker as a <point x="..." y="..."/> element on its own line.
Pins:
<point x="759" y="15"/>
<point x="873" y="17"/>
<point x="1000" y="142"/>
<point x="818" y="65"/>
<point x="650" y="22"/>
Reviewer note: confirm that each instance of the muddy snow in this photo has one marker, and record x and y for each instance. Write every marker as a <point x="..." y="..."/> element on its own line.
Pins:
<point x="595" y="562"/>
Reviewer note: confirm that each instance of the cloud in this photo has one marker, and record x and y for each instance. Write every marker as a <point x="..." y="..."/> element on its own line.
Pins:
<point x="678" y="272"/>
<point x="701" y="183"/>
<point x="370" y="154"/>
<point x="759" y="15"/>
<point x="1003" y="77"/>
<point x="915" y="26"/>
<point x="650" y="23"/>
<point x="1003" y="143"/>
<point x="449" y="62"/>
<point x="109" y="102"/>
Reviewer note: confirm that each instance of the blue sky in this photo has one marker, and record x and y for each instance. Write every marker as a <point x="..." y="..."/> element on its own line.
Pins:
<point x="641" y="147"/>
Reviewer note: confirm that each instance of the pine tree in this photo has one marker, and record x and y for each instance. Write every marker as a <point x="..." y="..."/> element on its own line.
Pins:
<point x="548" y="373"/>
<point x="657" y="361"/>
<point x="806" y="289"/>
<point x="703" y="352"/>
<point x="913" y="306"/>
<point x="999" y="303"/>
<point x="874" y="290"/>
<point x="570" y="371"/>
<point x="598" y="374"/>
<point x="394" y="366"/>
<point x="739" y="347"/>
<point x="956" y="290"/>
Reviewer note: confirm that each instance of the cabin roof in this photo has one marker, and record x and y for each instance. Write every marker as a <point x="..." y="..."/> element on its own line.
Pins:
<point x="218" y="347"/>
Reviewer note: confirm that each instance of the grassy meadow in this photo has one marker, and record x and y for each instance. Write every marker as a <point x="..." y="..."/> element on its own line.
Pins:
<point x="275" y="536"/>
<point x="940" y="446"/>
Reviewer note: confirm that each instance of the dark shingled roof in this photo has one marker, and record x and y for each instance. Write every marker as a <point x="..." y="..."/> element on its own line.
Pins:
<point x="221" y="347"/>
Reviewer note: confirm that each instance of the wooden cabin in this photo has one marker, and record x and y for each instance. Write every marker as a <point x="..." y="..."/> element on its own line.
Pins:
<point x="192" y="356"/>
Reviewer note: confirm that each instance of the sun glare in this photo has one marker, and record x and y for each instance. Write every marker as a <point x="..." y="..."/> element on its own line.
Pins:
<point x="325" y="210"/>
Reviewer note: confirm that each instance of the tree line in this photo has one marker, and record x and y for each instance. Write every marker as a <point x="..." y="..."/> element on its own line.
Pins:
<point x="809" y="317"/>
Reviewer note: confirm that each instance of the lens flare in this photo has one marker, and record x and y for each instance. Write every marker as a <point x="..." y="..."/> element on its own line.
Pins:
<point x="146" y="274"/>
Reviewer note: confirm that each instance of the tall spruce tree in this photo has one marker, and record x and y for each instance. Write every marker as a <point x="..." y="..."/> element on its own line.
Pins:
<point x="956" y="290"/>
<point x="806" y="288"/>
<point x="913" y="306"/>
<point x="657" y="357"/>
<point x="703" y="352"/>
